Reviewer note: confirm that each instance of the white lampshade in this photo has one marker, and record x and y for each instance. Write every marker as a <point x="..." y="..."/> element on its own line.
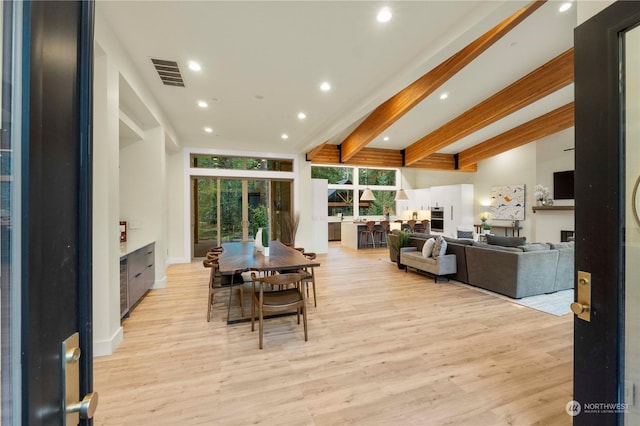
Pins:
<point x="367" y="195"/>
<point x="401" y="195"/>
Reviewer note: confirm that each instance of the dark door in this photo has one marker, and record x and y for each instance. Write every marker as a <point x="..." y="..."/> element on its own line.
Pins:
<point x="50" y="230"/>
<point x="607" y="97"/>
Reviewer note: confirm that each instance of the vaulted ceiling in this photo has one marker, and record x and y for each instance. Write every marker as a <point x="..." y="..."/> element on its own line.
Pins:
<point x="507" y="68"/>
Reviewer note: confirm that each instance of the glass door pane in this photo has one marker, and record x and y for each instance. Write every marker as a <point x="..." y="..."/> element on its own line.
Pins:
<point x="632" y="225"/>
<point x="231" y="212"/>
<point x="205" y="215"/>
<point x="283" y="222"/>
<point x="258" y="209"/>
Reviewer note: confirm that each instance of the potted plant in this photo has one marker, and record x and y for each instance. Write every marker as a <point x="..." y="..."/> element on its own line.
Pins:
<point x="395" y="243"/>
<point x="486" y="227"/>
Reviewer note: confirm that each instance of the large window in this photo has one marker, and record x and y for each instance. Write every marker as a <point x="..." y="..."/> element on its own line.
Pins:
<point x="203" y="161"/>
<point x="346" y="184"/>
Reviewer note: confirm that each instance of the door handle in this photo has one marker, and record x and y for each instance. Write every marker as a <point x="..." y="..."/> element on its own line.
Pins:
<point x="73" y="407"/>
<point x="582" y="307"/>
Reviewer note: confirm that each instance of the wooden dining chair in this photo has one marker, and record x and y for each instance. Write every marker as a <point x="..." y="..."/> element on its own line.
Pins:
<point x="213" y="264"/>
<point x="412" y="225"/>
<point x="310" y="277"/>
<point x="278" y="300"/>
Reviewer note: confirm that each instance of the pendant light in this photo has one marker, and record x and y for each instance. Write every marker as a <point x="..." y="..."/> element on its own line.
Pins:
<point x="401" y="195"/>
<point x="367" y="195"/>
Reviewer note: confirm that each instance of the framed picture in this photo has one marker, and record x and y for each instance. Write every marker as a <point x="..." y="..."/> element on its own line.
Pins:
<point x="123" y="231"/>
<point x="507" y="202"/>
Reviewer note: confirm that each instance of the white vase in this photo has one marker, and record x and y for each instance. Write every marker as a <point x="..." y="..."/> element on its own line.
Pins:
<point x="265" y="251"/>
<point x="257" y="243"/>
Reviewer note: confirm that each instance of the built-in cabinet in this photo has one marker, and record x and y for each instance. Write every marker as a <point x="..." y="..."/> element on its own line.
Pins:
<point x="457" y="204"/>
<point x="137" y="275"/>
<point x="335" y="231"/>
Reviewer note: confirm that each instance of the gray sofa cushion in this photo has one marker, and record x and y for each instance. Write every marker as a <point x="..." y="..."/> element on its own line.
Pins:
<point x="506" y="241"/>
<point x="567" y="245"/>
<point x="534" y="247"/>
<point x="463" y="241"/>
<point x="494" y="247"/>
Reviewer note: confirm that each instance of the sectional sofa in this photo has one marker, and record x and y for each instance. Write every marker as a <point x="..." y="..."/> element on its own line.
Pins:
<point x="507" y="265"/>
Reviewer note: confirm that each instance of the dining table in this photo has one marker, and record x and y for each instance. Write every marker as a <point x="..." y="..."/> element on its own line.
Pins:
<point x="242" y="256"/>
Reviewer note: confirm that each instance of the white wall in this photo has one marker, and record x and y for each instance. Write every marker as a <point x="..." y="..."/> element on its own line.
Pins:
<point x="107" y="332"/>
<point x="588" y="8"/>
<point x="175" y="210"/>
<point x="142" y="197"/>
<point x="113" y="191"/>
<point x="517" y="166"/>
<point x="554" y="154"/>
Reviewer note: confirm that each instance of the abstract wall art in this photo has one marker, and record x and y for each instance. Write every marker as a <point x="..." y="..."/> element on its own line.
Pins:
<point x="507" y="202"/>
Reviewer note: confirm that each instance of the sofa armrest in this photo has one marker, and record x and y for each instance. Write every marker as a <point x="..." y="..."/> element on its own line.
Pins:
<point x="447" y="264"/>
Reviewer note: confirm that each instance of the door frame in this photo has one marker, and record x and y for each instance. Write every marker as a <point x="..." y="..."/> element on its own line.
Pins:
<point x="599" y="344"/>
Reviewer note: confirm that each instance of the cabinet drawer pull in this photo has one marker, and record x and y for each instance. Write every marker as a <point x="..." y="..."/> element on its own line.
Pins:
<point x="138" y="274"/>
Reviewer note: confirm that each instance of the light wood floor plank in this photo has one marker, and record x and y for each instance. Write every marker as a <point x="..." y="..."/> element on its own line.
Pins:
<point x="385" y="348"/>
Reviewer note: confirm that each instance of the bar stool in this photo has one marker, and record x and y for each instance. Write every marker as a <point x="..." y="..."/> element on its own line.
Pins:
<point x="382" y="232"/>
<point x="366" y="232"/>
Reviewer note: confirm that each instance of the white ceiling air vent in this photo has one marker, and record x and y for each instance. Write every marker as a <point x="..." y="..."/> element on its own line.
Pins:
<point x="169" y="72"/>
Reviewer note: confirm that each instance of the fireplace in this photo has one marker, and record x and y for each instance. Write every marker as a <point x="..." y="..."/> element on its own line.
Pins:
<point x="565" y="235"/>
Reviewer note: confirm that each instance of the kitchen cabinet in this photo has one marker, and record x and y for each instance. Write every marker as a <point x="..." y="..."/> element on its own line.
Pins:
<point x="457" y="204"/>
<point x="335" y="231"/>
<point x="137" y="276"/>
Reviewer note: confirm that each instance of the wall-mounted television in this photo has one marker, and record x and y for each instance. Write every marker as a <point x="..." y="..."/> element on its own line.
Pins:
<point x="563" y="185"/>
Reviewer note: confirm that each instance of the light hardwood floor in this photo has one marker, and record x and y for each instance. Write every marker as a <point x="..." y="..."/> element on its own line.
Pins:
<point x="385" y="348"/>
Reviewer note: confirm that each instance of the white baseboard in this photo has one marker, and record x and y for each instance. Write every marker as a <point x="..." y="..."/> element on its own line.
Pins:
<point x="161" y="283"/>
<point x="107" y="347"/>
<point x="175" y="260"/>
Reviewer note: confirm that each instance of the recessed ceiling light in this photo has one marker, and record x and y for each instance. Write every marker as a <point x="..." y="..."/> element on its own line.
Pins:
<point x="208" y="129"/>
<point x="202" y="104"/>
<point x="285" y="136"/>
<point x="386" y="138"/>
<point x="194" y="66"/>
<point x="564" y="7"/>
<point x="384" y="15"/>
<point x="325" y="87"/>
<point x="302" y="115"/>
<point x="444" y="96"/>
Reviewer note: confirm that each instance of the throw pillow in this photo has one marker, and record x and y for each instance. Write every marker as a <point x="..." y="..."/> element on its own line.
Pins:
<point x="440" y="247"/>
<point x="506" y="241"/>
<point x="427" y="248"/>
<point x="465" y="234"/>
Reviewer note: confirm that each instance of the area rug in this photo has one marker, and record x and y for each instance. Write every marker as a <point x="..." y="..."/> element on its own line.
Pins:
<point x="558" y="303"/>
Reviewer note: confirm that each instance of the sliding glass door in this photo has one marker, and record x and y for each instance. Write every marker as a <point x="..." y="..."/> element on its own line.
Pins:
<point x="228" y="209"/>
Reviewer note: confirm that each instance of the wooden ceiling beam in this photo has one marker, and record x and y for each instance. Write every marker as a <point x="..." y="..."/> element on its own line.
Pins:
<point x="402" y="102"/>
<point x="375" y="157"/>
<point x="546" y="79"/>
<point x="445" y="162"/>
<point x="545" y="125"/>
<point x="315" y="151"/>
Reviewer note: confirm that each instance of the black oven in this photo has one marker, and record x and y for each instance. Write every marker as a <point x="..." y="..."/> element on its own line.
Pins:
<point x="437" y="219"/>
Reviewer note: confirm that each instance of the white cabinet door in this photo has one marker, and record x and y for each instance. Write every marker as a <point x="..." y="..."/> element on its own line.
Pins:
<point x="437" y="198"/>
<point x="422" y="199"/>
